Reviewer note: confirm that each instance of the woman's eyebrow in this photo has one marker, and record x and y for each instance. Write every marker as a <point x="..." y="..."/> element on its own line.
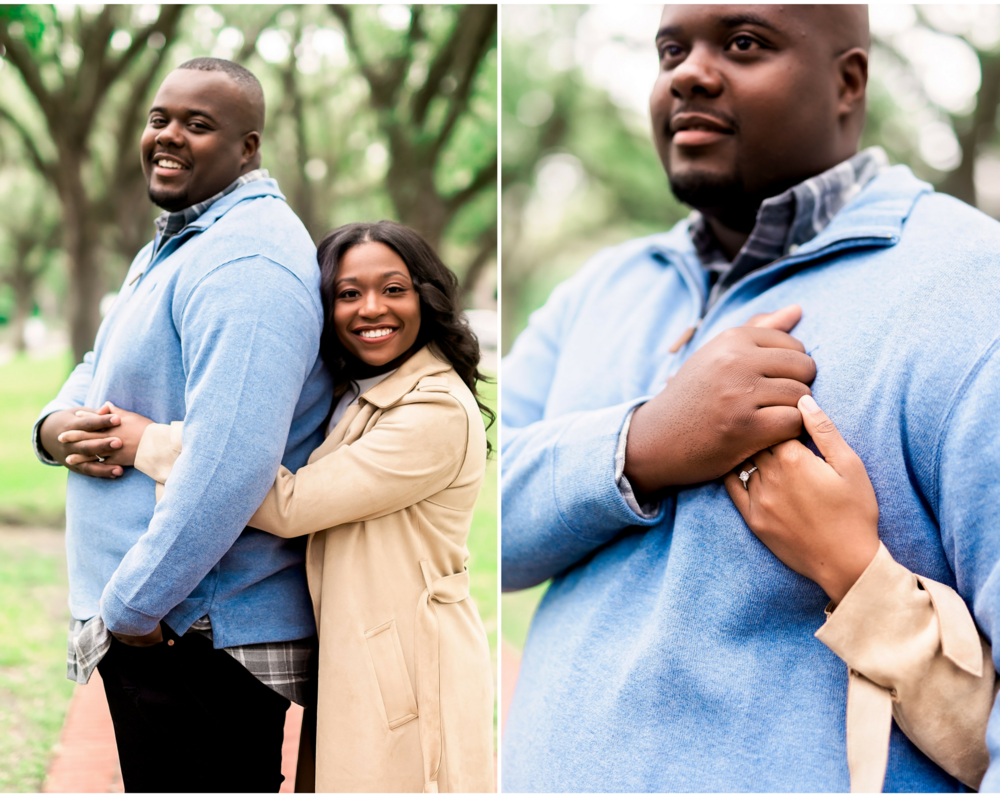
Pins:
<point x="386" y="275"/>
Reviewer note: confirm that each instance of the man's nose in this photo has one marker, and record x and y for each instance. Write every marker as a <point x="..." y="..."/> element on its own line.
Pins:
<point x="696" y="75"/>
<point x="171" y="135"/>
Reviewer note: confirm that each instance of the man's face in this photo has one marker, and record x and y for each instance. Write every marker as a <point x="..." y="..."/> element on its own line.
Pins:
<point x="198" y="138"/>
<point x="746" y="102"/>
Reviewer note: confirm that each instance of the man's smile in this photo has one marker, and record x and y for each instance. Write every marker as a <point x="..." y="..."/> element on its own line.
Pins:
<point x="167" y="165"/>
<point x="697" y="129"/>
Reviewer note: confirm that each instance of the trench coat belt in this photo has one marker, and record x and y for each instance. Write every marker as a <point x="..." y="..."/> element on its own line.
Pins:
<point x="427" y="647"/>
<point x="869" y="722"/>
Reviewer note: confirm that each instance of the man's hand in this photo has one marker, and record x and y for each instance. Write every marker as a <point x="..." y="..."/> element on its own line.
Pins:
<point x="72" y="432"/>
<point x="154" y="637"/>
<point x="123" y="446"/>
<point x="735" y="396"/>
<point x="817" y="515"/>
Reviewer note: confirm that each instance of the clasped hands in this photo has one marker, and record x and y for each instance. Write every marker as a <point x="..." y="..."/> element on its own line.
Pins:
<point x="744" y="397"/>
<point x="93" y="442"/>
<point x="76" y="438"/>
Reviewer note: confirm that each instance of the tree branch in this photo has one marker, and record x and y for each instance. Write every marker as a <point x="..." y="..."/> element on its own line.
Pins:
<point x="46" y="169"/>
<point x="342" y="14"/>
<point x="94" y="39"/>
<point x="484" y="177"/>
<point x="250" y="42"/>
<point x="473" y="49"/>
<point x="435" y="74"/>
<point x="487" y="248"/>
<point x="19" y="57"/>
<point x="166" y="23"/>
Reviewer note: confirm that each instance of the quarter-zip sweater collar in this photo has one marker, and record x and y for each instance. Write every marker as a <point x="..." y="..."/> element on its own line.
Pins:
<point x="169" y="224"/>
<point x="787" y="221"/>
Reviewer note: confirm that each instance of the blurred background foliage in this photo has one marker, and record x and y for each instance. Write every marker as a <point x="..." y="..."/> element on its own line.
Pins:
<point x="376" y="111"/>
<point x="579" y="171"/>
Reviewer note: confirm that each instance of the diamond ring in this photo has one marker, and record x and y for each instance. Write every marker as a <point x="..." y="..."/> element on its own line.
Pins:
<point x="745" y="477"/>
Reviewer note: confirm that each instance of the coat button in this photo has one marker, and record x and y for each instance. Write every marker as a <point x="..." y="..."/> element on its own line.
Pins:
<point x="170" y="642"/>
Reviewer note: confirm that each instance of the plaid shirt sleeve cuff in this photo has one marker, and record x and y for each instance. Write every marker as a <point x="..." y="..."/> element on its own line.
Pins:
<point x="646" y="511"/>
<point x="36" y="443"/>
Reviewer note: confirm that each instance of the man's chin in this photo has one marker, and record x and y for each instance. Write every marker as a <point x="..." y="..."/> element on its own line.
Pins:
<point x="170" y="201"/>
<point x="706" y="191"/>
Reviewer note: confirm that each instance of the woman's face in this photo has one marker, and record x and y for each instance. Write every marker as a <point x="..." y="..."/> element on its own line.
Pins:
<point x="376" y="310"/>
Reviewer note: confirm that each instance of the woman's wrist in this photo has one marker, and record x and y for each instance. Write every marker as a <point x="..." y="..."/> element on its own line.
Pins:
<point x="851" y="564"/>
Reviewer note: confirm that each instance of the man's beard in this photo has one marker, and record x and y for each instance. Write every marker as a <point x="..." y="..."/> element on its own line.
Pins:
<point x="170" y="202"/>
<point x="720" y="196"/>
<point x="707" y="191"/>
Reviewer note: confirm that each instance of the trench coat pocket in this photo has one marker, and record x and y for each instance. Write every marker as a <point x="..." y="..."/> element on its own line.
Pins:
<point x="386" y="653"/>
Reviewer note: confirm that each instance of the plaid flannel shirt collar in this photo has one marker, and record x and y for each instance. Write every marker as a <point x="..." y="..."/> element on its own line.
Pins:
<point x="786" y="221"/>
<point x="169" y="224"/>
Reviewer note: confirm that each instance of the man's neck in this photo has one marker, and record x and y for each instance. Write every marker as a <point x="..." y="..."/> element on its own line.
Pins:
<point x="730" y="241"/>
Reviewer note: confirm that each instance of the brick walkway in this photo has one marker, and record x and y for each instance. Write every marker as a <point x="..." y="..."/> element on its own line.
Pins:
<point x="86" y="760"/>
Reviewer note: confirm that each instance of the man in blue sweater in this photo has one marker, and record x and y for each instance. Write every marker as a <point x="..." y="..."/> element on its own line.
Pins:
<point x="672" y="650"/>
<point x="202" y="629"/>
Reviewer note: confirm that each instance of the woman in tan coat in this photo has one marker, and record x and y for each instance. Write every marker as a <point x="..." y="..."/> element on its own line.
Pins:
<point x="405" y="697"/>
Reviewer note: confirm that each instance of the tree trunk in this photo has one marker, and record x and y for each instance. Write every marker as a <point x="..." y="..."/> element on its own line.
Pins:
<point x="22" y="310"/>
<point x="980" y="129"/>
<point x="83" y="301"/>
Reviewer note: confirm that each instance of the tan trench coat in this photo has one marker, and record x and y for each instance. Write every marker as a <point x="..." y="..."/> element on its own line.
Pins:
<point x="405" y="678"/>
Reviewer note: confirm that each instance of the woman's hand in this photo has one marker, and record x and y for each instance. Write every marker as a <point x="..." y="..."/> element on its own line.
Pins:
<point x="117" y="450"/>
<point x="818" y="517"/>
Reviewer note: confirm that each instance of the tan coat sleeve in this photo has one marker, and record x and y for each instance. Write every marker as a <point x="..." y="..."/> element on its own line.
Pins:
<point x="414" y="450"/>
<point x="915" y="639"/>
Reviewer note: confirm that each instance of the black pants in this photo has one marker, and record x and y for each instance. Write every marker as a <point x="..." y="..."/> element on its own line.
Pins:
<point x="189" y="718"/>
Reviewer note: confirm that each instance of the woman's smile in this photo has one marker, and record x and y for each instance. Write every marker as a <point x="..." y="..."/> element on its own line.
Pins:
<point x="376" y="335"/>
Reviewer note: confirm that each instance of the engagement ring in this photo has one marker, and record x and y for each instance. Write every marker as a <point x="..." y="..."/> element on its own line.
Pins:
<point x="745" y="477"/>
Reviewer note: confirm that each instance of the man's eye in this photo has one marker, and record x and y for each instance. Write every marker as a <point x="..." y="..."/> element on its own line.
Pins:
<point x="199" y="127"/>
<point x="671" y="51"/>
<point x="744" y="43"/>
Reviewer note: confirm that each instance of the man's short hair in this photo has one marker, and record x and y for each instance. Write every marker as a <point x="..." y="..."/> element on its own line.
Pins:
<point x="242" y="76"/>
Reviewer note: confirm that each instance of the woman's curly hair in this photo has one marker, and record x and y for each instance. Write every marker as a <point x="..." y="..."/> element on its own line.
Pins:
<point x="442" y="321"/>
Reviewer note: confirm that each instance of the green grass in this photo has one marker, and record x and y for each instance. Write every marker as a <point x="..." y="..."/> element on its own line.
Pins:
<point x="30" y="492"/>
<point x="518" y="612"/>
<point x="483" y="544"/>
<point x="34" y="692"/>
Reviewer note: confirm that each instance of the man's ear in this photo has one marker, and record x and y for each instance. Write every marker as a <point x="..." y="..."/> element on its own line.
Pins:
<point x="251" y="148"/>
<point x="852" y="73"/>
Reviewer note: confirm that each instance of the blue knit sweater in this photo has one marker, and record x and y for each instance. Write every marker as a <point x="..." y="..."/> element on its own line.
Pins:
<point x="678" y="653"/>
<point x="221" y="330"/>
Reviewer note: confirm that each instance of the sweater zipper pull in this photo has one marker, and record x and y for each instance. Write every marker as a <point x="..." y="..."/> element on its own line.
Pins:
<point x="685" y="338"/>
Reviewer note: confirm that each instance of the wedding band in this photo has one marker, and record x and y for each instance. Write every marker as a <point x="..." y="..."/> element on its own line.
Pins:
<point x="745" y="477"/>
<point x="99" y="459"/>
